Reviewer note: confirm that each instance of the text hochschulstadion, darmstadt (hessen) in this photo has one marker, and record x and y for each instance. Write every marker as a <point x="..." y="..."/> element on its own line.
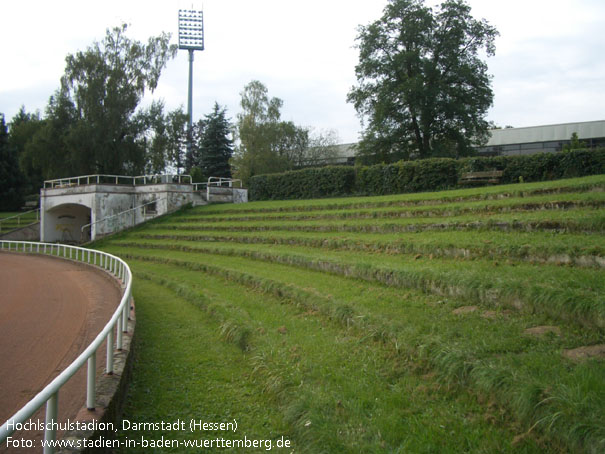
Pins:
<point x="145" y="441"/>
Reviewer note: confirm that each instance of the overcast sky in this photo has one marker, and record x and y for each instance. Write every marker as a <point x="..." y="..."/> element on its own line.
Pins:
<point x="549" y="66"/>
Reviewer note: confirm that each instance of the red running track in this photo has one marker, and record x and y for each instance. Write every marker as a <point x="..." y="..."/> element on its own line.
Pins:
<point x="50" y="311"/>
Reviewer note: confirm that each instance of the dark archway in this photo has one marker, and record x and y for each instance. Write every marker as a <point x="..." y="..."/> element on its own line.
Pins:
<point x="64" y="223"/>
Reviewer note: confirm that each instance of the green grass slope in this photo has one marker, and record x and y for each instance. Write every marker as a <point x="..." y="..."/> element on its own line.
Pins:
<point x="459" y="321"/>
<point x="10" y="220"/>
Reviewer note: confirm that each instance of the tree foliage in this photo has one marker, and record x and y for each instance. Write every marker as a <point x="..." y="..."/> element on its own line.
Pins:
<point x="265" y="143"/>
<point x="422" y="86"/>
<point x="11" y="180"/>
<point x="574" y="143"/>
<point x="165" y="139"/>
<point x="105" y="84"/>
<point x="93" y="123"/>
<point x="214" y="144"/>
<point x="22" y="128"/>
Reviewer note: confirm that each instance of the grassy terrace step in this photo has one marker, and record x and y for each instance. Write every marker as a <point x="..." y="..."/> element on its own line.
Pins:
<point x="542" y="202"/>
<point x="585" y="184"/>
<point x="573" y="297"/>
<point x="558" y="248"/>
<point x="12" y="224"/>
<point x="577" y="220"/>
<point x="286" y="383"/>
<point x="363" y="325"/>
<point x="419" y="330"/>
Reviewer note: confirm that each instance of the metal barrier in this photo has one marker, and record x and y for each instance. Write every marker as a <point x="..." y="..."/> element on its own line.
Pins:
<point x="218" y="182"/>
<point x="18" y="217"/>
<point x="116" y="179"/>
<point x="119" y="322"/>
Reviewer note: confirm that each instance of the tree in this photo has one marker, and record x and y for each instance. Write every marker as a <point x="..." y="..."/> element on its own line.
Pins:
<point x="322" y="148"/>
<point x="176" y="132"/>
<point x="215" y="144"/>
<point x="11" y="180"/>
<point x="574" y="143"/>
<point x="46" y="153"/>
<point x="265" y="144"/>
<point x="106" y="84"/>
<point x="421" y="84"/>
<point x="156" y="138"/>
<point x="22" y="128"/>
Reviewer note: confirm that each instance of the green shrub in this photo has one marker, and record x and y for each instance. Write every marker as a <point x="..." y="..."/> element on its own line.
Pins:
<point x="303" y="184"/>
<point x="422" y="175"/>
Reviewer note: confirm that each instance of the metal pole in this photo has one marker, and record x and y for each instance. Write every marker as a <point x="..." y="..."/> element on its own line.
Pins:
<point x="109" y="356"/>
<point x="51" y="420"/>
<point x="90" y="382"/>
<point x="189" y="110"/>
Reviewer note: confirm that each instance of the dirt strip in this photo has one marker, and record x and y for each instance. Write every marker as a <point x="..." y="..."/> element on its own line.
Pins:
<point x="50" y="310"/>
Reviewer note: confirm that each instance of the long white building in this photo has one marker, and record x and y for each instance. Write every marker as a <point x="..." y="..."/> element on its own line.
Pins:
<point x="520" y="141"/>
<point x="543" y="139"/>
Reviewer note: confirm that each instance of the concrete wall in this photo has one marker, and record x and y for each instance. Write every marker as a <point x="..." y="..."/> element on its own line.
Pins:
<point x="27" y="233"/>
<point x="227" y="195"/>
<point x="65" y="210"/>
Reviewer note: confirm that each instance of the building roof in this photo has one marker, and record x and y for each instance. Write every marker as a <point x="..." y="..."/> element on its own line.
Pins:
<point x="585" y="130"/>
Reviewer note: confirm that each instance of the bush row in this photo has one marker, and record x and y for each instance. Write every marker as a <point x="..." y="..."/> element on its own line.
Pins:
<point x="422" y="175"/>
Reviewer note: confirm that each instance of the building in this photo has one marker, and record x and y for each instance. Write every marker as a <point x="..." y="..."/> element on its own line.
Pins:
<point x="542" y="139"/>
<point x="518" y="141"/>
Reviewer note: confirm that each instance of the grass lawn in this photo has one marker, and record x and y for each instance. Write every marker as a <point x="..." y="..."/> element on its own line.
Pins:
<point x="11" y="224"/>
<point x="320" y="322"/>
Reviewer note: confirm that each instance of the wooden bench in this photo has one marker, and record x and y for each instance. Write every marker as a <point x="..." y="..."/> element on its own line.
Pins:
<point x="486" y="177"/>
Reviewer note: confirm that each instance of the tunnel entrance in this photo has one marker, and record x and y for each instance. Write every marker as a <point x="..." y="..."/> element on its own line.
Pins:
<point x="63" y="223"/>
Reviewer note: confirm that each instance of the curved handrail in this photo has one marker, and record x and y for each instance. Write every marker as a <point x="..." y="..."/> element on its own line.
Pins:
<point x="119" y="320"/>
<point x="105" y="219"/>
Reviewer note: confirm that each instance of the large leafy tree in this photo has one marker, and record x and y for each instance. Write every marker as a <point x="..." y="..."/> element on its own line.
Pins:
<point x="265" y="143"/>
<point x="105" y="84"/>
<point x="423" y="89"/>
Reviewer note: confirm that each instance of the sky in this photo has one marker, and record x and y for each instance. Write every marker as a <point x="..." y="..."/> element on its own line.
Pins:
<point x="548" y="68"/>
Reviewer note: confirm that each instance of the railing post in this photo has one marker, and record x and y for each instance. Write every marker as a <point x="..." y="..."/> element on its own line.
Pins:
<point x="119" y="334"/>
<point x="90" y="381"/>
<point x="52" y="406"/>
<point x="109" y="362"/>
<point x="125" y="316"/>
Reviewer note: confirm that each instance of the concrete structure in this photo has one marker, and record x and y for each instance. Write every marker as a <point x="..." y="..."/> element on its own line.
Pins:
<point x="81" y="209"/>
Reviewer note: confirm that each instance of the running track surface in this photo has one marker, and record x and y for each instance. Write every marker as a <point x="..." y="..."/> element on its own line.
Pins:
<point x="50" y="311"/>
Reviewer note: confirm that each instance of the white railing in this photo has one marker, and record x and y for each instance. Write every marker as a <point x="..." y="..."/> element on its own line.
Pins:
<point x="121" y="213"/>
<point x="116" y="179"/>
<point x="216" y="181"/>
<point x="119" y="322"/>
<point x="18" y="217"/>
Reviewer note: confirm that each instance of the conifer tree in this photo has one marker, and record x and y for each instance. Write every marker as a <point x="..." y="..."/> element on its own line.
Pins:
<point x="216" y="145"/>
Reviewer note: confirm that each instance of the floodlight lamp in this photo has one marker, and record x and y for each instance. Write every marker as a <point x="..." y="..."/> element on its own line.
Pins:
<point x="191" y="29"/>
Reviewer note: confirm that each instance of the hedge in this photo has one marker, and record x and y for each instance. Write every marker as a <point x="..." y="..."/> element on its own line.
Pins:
<point x="422" y="175"/>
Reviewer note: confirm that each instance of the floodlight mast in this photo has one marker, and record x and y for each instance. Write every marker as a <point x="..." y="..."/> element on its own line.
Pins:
<point x="191" y="38"/>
